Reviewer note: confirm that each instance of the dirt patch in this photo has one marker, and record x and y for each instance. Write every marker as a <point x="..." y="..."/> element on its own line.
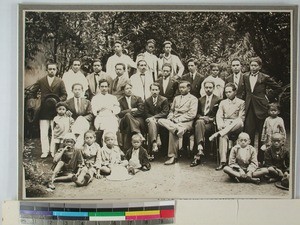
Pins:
<point x="174" y="181"/>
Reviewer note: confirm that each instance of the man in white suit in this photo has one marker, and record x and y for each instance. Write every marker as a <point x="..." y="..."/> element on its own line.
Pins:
<point x="142" y="80"/>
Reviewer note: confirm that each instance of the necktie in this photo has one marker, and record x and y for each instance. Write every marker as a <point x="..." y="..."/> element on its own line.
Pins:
<point x="78" y="105"/>
<point x="116" y="84"/>
<point x="154" y="101"/>
<point x="235" y="80"/>
<point x="192" y="77"/>
<point x="207" y="106"/>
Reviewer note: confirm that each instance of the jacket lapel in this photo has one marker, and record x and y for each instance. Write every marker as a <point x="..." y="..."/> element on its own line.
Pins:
<point x="133" y="101"/>
<point x="92" y="82"/>
<point x="45" y="81"/>
<point x="170" y="84"/>
<point x="259" y="80"/>
<point x="54" y="83"/>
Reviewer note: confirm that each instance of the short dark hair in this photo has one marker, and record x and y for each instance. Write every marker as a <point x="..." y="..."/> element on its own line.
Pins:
<point x="76" y="85"/>
<point x="167" y="42"/>
<point x="214" y="65"/>
<point x="103" y="81"/>
<point x="274" y="105"/>
<point x="90" y="132"/>
<point x="256" y="59"/>
<point x="52" y="63"/>
<point x="138" y="62"/>
<point x="188" y="84"/>
<point x="168" y="65"/>
<point x="59" y="104"/>
<point x="97" y="60"/>
<point x="232" y="85"/>
<point x="124" y="85"/>
<point x="76" y="59"/>
<point x="120" y="64"/>
<point x="236" y="59"/>
<point x="155" y="84"/>
<point x="206" y="81"/>
<point x="118" y="42"/>
<point x="192" y="60"/>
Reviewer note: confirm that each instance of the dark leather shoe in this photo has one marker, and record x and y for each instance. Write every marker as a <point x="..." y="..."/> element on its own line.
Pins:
<point x="195" y="162"/>
<point x="220" y="167"/>
<point x="170" y="161"/>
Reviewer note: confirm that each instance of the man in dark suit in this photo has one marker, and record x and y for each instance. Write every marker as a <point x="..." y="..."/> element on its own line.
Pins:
<point x="52" y="90"/>
<point x="131" y="115"/>
<point x="119" y="81"/>
<point x="237" y="77"/>
<point x="194" y="78"/>
<point x="156" y="107"/>
<point x="94" y="78"/>
<point x="80" y="109"/>
<point x="168" y="85"/>
<point x="256" y="103"/>
<point x="207" y="109"/>
<point x="180" y="119"/>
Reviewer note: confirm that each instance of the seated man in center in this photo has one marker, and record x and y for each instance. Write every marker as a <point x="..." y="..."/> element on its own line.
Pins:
<point x="105" y="107"/>
<point x="207" y="109"/>
<point x="131" y="115"/>
<point x="180" y="119"/>
<point x="230" y="120"/>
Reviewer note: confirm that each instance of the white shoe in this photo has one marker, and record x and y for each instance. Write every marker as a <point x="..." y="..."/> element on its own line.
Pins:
<point x="44" y="155"/>
<point x="52" y="154"/>
<point x="154" y="147"/>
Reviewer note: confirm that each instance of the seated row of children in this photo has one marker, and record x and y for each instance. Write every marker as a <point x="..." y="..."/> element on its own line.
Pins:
<point x="243" y="164"/>
<point x="80" y="165"/>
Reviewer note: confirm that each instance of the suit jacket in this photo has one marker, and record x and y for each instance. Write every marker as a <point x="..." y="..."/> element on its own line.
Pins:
<point x="143" y="157"/>
<point x="195" y="84"/>
<point x="214" y="104"/>
<point x="230" y="110"/>
<point x="85" y="109"/>
<point x="57" y="88"/>
<point x="184" y="110"/>
<point x="121" y="82"/>
<point x="171" y="91"/>
<point x="136" y="102"/>
<point x="92" y="90"/>
<point x="258" y="98"/>
<point x="139" y="87"/>
<point x="240" y="88"/>
<point x="161" y="109"/>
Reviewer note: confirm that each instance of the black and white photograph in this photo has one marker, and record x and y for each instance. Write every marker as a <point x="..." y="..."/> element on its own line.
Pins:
<point x="176" y="102"/>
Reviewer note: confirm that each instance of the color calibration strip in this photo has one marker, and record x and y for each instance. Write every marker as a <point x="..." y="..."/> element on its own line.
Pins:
<point x="41" y="213"/>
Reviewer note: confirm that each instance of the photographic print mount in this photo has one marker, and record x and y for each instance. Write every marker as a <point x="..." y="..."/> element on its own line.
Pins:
<point x="209" y="34"/>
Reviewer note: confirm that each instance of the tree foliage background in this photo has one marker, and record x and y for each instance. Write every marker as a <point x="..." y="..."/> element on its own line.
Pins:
<point x="207" y="36"/>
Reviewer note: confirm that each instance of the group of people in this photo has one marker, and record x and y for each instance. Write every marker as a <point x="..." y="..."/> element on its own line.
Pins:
<point x="119" y="112"/>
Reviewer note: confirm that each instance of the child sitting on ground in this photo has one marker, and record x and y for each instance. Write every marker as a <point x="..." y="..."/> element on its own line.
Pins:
<point x="243" y="164"/>
<point x="110" y="154"/>
<point x="92" y="160"/>
<point x="273" y="124"/>
<point x="137" y="156"/>
<point x="61" y="125"/>
<point x="67" y="161"/>
<point x="277" y="159"/>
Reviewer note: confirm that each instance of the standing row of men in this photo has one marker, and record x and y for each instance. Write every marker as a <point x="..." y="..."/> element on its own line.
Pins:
<point x="182" y="92"/>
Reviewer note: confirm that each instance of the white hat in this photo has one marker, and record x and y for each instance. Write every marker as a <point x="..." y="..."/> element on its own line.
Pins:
<point x="119" y="172"/>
